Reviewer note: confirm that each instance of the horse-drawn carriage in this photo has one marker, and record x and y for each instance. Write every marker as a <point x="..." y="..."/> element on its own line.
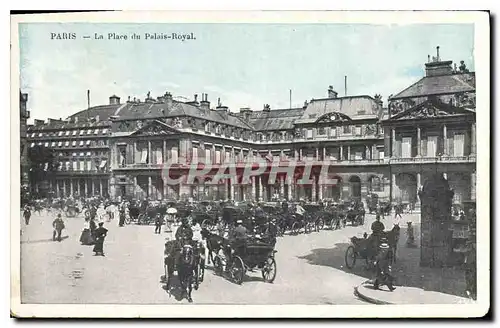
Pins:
<point x="256" y="255"/>
<point x="367" y="247"/>
<point x="354" y="213"/>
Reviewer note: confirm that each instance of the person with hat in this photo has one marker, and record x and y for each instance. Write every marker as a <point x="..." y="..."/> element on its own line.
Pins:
<point x="100" y="234"/>
<point x="237" y="241"/>
<point x="383" y="275"/>
<point x="58" y="226"/>
<point x="184" y="233"/>
<point x="27" y="214"/>
<point x="158" y="223"/>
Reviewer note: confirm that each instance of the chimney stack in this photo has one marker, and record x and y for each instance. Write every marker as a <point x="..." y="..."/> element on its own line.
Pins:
<point x="332" y="94"/>
<point x="437" y="67"/>
<point x="168" y="99"/>
<point x="246" y="113"/>
<point x="204" y="104"/>
<point x="267" y="108"/>
<point x="114" y="100"/>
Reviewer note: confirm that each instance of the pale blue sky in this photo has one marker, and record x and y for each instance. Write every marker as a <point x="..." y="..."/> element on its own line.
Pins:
<point x="246" y="65"/>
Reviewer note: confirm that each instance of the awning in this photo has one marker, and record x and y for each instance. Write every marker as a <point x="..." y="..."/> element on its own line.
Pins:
<point x="103" y="164"/>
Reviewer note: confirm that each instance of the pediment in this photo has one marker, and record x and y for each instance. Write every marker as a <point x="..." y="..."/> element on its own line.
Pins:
<point x="430" y="109"/>
<point x="333" y="117"/>
<point x="155" y="128"/>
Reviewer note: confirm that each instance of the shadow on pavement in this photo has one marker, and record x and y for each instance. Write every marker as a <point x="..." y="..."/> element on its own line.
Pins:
<point x="43" y="240"/>
<point x="406" y="269"/>
<point x="175" y="288"/>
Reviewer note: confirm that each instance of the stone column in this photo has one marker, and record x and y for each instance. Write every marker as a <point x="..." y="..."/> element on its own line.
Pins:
<point x="348" y="153"/>
<point x="324" y="154"/>
<point x="315" y="180"/>
<point x="367" y="152"/>
<point x="289" y="188"/>
<point x="261" y="188"/>
<point x="149" y="153"/>
<point x="150" y="187"/>
<point x="92" y="185"/>
<point x="473" y="139"/>
<point x="473" y="186"/>
<point x="341" y="153"/>
<point x="296" y="154"/>
<point x="57" y="189"/>
<point x="300" y="154"/>
<point x="164" y="154"/>
<point x="445" y="140"/>
<point x="254" y="191"/>
<point x="64" y="188"/>
<point x="373" y="152"/>
<point x="317" y="153"/>
<point x="393" y="136"/>
<point x="100" y="187"/>
<point x="134" y="153"/>
<point x="79" y="187"/>
<point x="320" y="186"/>
<point x="394" y="187"/>
<point x="71" y="187"/>
<point x="282" y="187"/>
<point x="233" y="187"/>
<point x="419" y="142"/>
<point x="86" y="187"/>
<point x="419" y="184"/>
<point x="165" y="184"/>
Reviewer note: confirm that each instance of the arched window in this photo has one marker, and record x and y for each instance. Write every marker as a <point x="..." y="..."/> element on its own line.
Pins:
<point x="374" y="184"/>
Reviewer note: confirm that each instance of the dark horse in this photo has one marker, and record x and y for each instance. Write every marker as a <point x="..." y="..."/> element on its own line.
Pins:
<point x="393" y="240"/>
<point x="214" y="243"/>
<point x="185" y="262"/>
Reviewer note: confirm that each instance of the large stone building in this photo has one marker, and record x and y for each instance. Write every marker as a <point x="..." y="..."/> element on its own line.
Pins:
<point x="121" y="148"/>
<point x="24" y="115"/>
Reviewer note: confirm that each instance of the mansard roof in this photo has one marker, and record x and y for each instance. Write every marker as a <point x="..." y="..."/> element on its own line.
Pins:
<point x="439" y="85"/>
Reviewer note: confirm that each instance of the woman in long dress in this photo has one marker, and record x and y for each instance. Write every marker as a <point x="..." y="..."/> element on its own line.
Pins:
<point x="86" y="238"/>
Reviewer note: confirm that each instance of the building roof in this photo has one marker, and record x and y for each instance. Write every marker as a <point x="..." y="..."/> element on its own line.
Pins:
<point x="440" y="84"/>
<point x="276" y="119"/>
<point x="146" y="110"/>
<point x="104" y="112"/>
<point x="356" y="107"/>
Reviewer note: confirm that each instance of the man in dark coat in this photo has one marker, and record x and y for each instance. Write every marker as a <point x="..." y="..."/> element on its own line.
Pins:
<point x="100" y="234"/>
<point x="58" y="226"/>
<point x="184" y="233"/>
<point x="158" y="223"/>
<point x="122" y="215"/>
<point x="27" y="214"/>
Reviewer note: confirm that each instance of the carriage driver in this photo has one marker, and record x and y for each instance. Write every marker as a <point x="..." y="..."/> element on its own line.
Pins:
<point x="184" y="233"/>
<point x="299" y="210"/>
<point x="238" y="241"/>
<point x="377" y="230"/>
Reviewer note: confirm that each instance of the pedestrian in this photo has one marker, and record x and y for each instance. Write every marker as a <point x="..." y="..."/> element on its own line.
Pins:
<point x="100" y="235"/>
<point x="93" y="228"/>
<point x="86" y="237"/>
<point x="27" y="214"/>
<point x="58" y="226"/>
<point x="122" y="215"/>
<point x="398" y="210"/>
<point x="158" y="223"/>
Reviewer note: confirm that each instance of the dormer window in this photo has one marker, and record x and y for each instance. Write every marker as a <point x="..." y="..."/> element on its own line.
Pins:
<point x="207" y="127"/>
<point x="217" y="129"/>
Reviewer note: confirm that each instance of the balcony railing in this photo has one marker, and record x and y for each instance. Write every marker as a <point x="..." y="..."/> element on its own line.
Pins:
<point x="437" y="159"/>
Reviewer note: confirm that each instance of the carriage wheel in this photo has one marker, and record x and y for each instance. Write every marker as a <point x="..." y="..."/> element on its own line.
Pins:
<point x="238" y="270"/>
<point x="350" y="257"/>
<point x="218" y="265"/>
<point x="269" y="270"/>
<point x="320" y="224"/>
<point x="295" y="228"/>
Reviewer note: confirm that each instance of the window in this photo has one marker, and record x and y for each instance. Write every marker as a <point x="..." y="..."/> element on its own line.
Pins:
<point x="53" y="144"/>
<point x="217" y="157"/>
<point x="144" y="156"/>
<point x="73" y="143"/>
<point x="96" y="131"/>
<point x="208" y="155"/>
<point x="88" y="153"/>
<point x="217" y="129"/>
<point x="82" y="165"/>
<point x="66" y="143"/>
<point x="40" y="134"/>
<point x="46" y="144"/>
<point x="61" y="133"/>
<point x="89" y="131"/>
<point x="74" y="154"/>
<point x="82" y="154"/>
<point x="75" y="166"/>
<point x="59" y="144"/>
<point x="207" y="127"/>
<point x="104" y="131"/>
<point x="174" y="155"/>
<point x="81" y="143"/>
<point x="374" y="184"/>
<point x="68" y="132"/>
<point x="68" y="166"/>
<point x="74" y="132"/>
<point x="358" y="130"/>
<point x="309" y="133"/>
<point x="32" y="144"/>
<point x="103" y="165"/>
<point x="227" y="157"/>
<point x="321" y="131"/>
<point x="33" y="135"/>
<point x="87" y="142"/>
<point x="122" y="155"/>
<point x="346" y="129"/>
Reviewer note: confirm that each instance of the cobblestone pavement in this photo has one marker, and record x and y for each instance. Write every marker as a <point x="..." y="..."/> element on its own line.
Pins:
<point x="310" y="269"/>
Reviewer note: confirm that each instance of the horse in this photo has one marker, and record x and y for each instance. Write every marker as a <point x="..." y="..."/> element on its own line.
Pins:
<point x="214" y="243"/>
<point x="185" y="270"/>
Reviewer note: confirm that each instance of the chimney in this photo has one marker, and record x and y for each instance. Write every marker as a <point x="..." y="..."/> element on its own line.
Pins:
<point x="128" y="100"/>
<point x="332" y="94"/>
<point x="195" y="101"/>
<point x="246" y="113"/>
<point x="267" y="108"/>
<point x="204" y="104"/>
<point x="114" y="100"/>
<point x="168" y="99"/>
<point x="437" y="67"/>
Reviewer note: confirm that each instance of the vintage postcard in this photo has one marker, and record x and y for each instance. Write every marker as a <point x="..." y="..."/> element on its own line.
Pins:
<point x="250" y="164"/>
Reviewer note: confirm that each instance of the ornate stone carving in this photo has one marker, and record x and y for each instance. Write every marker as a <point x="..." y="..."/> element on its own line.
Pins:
<point x="370" y="129"/>
<point x="334" y="117"/>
